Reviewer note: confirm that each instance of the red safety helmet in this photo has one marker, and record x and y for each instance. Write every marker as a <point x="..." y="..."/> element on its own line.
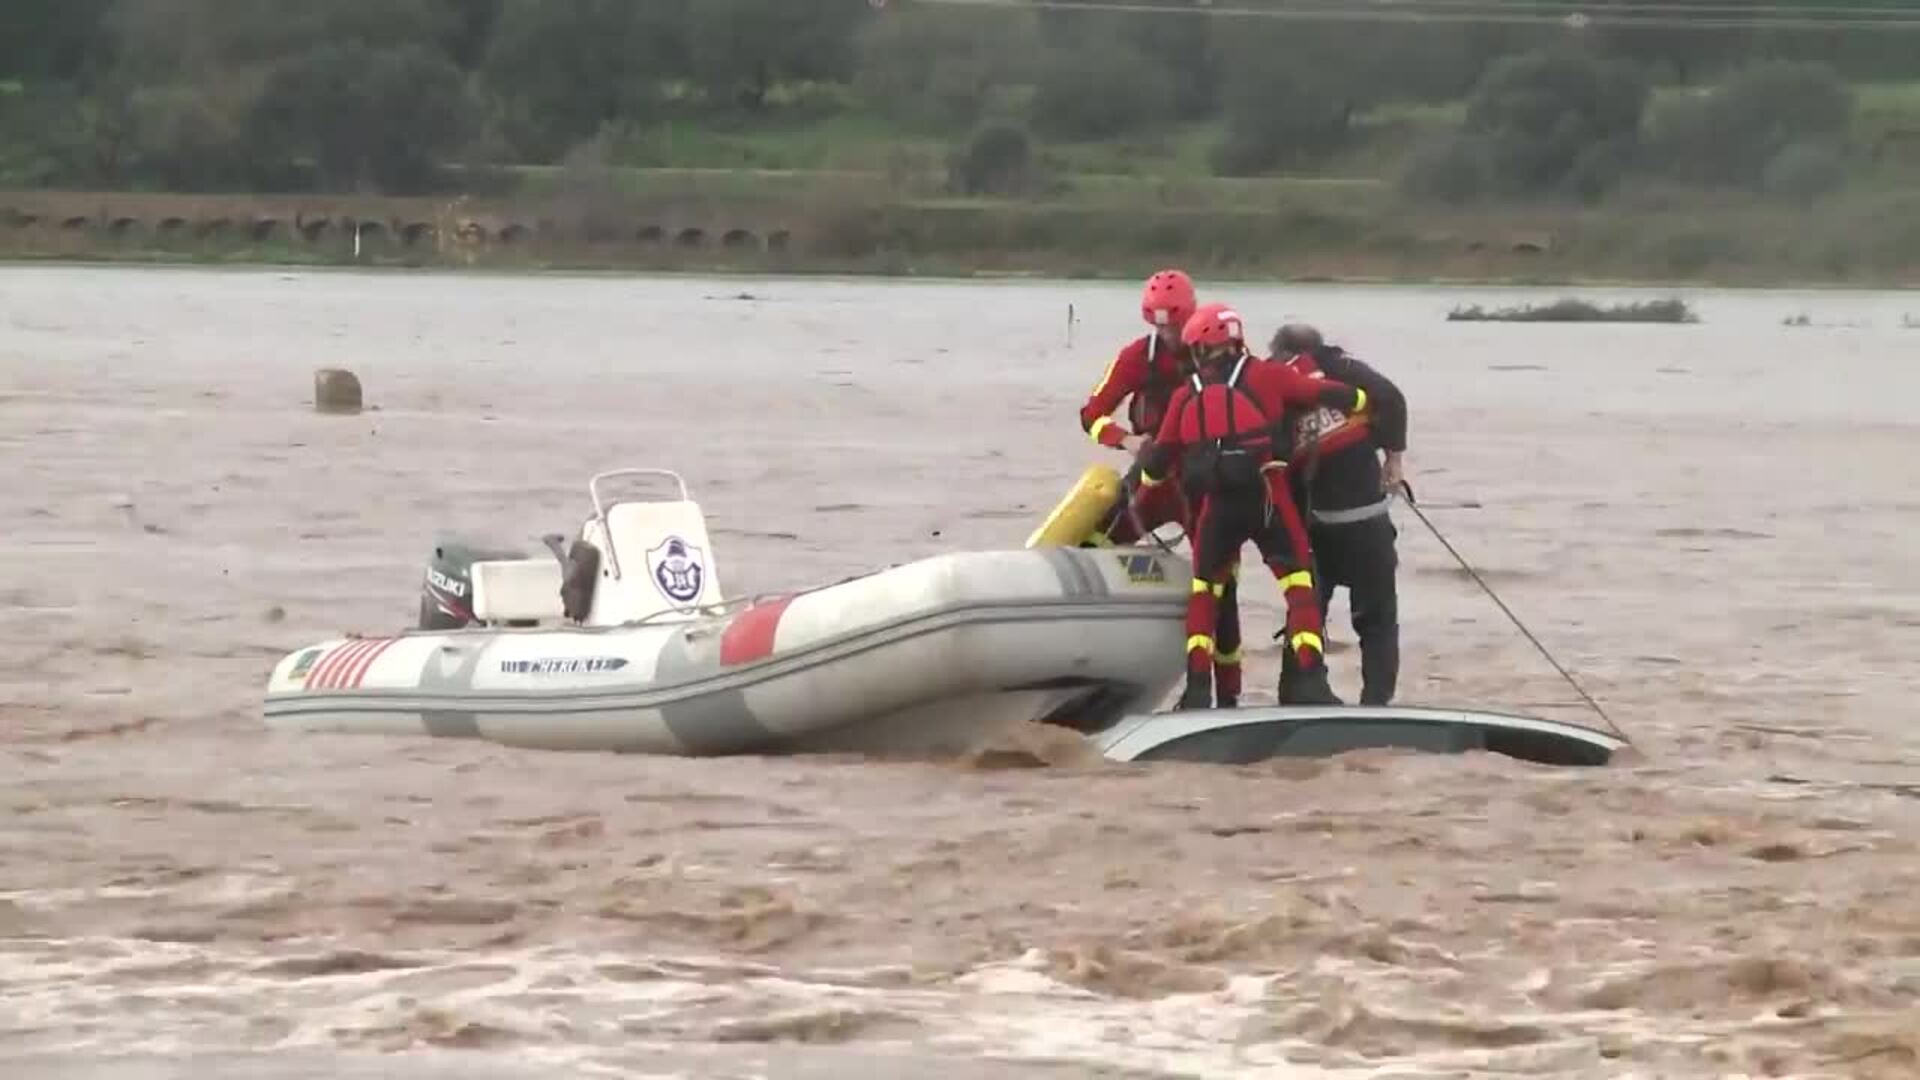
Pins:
<point x="1168" y="299"/>
<point x="1212" y="327"/>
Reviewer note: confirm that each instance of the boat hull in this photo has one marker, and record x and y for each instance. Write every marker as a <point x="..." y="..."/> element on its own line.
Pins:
<point x="931" y="657"/>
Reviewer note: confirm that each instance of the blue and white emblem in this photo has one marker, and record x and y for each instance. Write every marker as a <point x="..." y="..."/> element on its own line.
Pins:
<point x="676" y="569"/>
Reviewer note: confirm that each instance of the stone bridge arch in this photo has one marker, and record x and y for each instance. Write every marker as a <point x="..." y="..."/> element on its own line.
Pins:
<point x="680" y="225"/>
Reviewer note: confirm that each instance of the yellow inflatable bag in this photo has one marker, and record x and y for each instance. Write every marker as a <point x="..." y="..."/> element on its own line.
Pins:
<point x="1075" y="517"/>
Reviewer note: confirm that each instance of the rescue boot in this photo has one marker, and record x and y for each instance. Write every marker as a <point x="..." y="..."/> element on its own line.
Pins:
<point x="1306" y="684"/>
<point x="1199" y="691"/>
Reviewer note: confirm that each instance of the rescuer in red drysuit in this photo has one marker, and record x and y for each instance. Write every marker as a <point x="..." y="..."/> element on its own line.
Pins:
<point x="1147" y="371"/>
<point x="1221" y="425"/>
<point x="1145" y="375"/>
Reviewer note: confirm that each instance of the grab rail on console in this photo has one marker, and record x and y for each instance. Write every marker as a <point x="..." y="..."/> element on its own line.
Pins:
<point x="600" y="511"/>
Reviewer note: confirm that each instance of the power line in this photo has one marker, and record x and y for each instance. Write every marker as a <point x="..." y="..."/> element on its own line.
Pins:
<point x="1747" y="8"/>
<point x="1494" y="15"/>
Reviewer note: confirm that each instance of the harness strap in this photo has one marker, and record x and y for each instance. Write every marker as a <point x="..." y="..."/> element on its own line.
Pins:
<point x="1349" y="516"/>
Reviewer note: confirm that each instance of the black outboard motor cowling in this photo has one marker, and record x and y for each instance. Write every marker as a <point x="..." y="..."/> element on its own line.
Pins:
<point x="446" y="591"/>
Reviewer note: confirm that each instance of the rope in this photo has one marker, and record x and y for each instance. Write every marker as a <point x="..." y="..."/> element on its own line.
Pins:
<point x="1495" y="597"/>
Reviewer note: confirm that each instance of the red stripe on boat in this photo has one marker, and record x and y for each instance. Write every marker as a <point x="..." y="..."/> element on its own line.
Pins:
<point x="345" y="665"/>
<point x="330" y="664"/>
<point x="364" y="663"/>
<point x="749" y="636"/>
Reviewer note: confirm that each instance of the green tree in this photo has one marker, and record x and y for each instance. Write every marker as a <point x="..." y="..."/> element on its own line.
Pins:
<point x="188" y="135"/>
<point x="1859" y="53"/>
<point x="1732" y="134"/>
<point x="1558" y="119"/>
<point x="944" y="67"/>
<point x="997" y="160"/>
<point x="176" y="100"/>
<point x="368" y="118"/>
<point x="1181" y="46"/>
<point x="468" y="27"/>
<point x="1281" y="106"/>
<point x="174" y="38"/>
<point x="1671" y="53"/>
<point x="1098" y="91"/>
<point x="614" y="57"/>
<point x="47" y="137"/>
<point x="1562" y="120"/>
<point x="48" y="40"/>
<point x="742" y="49"/>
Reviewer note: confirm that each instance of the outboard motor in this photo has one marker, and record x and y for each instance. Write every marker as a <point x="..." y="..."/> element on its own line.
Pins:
<point x="446" y="592"/>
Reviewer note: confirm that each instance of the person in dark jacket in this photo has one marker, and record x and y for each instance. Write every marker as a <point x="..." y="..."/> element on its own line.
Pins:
<point x="1344" y="468"/>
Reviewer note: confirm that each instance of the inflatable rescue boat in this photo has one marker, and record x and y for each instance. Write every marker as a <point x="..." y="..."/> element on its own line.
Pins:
<point x="623" y="641"/>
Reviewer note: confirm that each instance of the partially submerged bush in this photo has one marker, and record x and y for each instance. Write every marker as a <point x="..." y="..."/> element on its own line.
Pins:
<point x="1571" y="310"/>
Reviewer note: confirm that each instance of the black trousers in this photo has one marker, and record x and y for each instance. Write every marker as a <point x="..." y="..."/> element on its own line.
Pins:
<point x="1361" y="556"/>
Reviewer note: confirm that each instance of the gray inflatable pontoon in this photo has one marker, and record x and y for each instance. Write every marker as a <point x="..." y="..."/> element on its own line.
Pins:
<point x="1244" y="735"/>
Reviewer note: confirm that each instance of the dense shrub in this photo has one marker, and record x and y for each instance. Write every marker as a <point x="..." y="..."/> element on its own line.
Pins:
<point x="1550" y="122"/>
<point x="1734" y="134"/>
<point x="1100" y="93"/>
<point x="997" y="160"/>
<point x="1804" y="172"/>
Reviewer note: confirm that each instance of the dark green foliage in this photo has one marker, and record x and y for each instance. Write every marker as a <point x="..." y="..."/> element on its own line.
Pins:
<point x="1733" y="134"/>
<point x="1099" y="92"/>
<point x="741" y="49"/>
<point x="48" y="40"/>
<point x="998" y="160"/>
<point x="370" y="118"/>
<point x="1552" y="118"/>
<point x="1803" y="172"/>
<point x="381" y="94"/>
<point x="544" y="105"/>
<point x="1560" y="121"/>
<point x="942" y="68"/>
<point x="1455" y="169"/>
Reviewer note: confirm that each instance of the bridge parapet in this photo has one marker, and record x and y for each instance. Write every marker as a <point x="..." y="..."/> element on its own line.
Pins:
<point x="448" y="226"/>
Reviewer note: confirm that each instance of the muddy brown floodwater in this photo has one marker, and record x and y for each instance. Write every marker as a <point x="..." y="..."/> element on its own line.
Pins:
<point x="1711" y="524"/>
